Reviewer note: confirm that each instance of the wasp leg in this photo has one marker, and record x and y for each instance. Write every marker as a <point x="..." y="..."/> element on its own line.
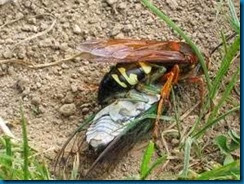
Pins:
<point x="171" y="79"/>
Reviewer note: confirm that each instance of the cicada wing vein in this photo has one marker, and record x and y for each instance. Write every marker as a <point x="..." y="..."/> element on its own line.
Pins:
<point x="74" y="144"/>
<point x="67" y="154"/>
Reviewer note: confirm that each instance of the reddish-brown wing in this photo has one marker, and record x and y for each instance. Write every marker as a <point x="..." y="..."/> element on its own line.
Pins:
<point x="127" y="50"/>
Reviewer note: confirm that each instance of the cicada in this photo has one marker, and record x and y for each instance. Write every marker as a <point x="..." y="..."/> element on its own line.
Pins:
<point x="138" y="84"/>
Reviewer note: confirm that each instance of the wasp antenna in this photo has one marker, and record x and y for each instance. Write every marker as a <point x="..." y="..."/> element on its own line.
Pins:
<point x="218" y="46"/>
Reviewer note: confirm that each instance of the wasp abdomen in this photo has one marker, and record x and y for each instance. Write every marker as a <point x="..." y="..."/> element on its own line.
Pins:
<point x="121" y="78"/>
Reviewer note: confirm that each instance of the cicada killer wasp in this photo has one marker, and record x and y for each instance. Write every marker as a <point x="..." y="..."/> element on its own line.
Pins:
<point x="138" y="64"/>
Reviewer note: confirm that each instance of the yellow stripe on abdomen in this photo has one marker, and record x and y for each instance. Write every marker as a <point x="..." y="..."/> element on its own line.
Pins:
<point x="146" y="68"/>
<point x="116" y="78"/>
<point x="131" y="79"/>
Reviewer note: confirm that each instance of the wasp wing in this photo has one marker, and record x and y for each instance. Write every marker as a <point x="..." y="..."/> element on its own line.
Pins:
<point x="127" y="50"/>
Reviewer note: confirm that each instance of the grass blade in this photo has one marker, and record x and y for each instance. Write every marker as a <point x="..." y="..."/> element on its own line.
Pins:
<point x="159" y="161"/>
<point x="225" y="172"/>
<point x="187" y="156"/>
<point x="25" y="146"/>
<point x="146" y="159"/>
<point x="236" y="138"/>
<point x="9" y="149"/>
<point x="225" y="95"/>
<point x="200" y="132"/>
<point x="224" y="41"/>
<point x="176" y="110"/>
<point x="221" y="142"/>
<point x="233" y="17"/>
<point x="232" y="50"/>
<point x="75" y="169"/>
<point x="171" y="24"/>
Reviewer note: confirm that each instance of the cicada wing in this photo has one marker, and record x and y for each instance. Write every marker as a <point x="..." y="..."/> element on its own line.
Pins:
<point x="127" y="50"/>
<point x="107" y="159"/>
<point x="71" y="153"/>
<point x="67" y="156"/>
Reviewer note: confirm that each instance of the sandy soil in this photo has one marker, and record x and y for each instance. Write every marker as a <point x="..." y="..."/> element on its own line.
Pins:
<point x="55" y="99"/>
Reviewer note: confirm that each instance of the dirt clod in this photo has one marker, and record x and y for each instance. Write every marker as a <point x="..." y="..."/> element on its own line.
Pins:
<point x="67" y="109"/>
<point x="76" y="29"/>
<point x="111" y="2"/>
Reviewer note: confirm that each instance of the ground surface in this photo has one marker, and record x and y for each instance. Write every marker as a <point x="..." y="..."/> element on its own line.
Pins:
<point x="55" y="99"/>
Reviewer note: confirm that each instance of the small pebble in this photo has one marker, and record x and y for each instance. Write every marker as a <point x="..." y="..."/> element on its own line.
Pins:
<point x="36" y="100"/>
<point x="7" y="54"/>
<point x="91" y="2"/>
<point x="172" y="4"/>
<point x="21" y="55"/>
<point x="76" y="29"/>
<point x="68" y="98"/>
<point x="67" y="109"/>
<point x="32" y="21"/>
<point x="41" y="109"/>
<point x="22" y="84"/>
<point x="122" y="5"/>
<point x="74" y="88"/>
<point x="175" y="141"/>
<point x="127" y="28"/>
<point x="124" y="168"/>
<point x="5" y="1"/>
<point x="27" y="4"/>
<point x="74" y="76"/>
<point x="59" y="96"/>
<point x="119" y="36"/>
<point x="116" y="30"/>
<point x="11" y="70"/>
<point x="38" y="84"/>
<point x="26" y="91"/>
<point x="63" y="46"/>
<point x="85" y="110"/>
<point x="4" y="67"/>
<point x="64" y="66"/>
<point x="104" y="25"/>
<point x="111" y="2"/>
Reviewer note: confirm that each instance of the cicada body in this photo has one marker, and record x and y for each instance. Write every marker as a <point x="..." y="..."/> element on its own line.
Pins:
<point x="114" y="118"/>
<point x="110" y="133"/>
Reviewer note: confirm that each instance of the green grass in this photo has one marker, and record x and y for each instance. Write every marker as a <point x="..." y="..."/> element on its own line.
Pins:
<point x="147" y="166"/>
<point x="213" y="86"/>
<point x="18" y="161"/>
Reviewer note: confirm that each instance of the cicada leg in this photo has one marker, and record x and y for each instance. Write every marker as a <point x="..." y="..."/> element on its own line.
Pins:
<point x="171" y="79"/>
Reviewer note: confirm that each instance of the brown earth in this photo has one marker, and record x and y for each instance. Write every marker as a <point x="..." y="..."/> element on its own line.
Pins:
<point x="55" y="99"/>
